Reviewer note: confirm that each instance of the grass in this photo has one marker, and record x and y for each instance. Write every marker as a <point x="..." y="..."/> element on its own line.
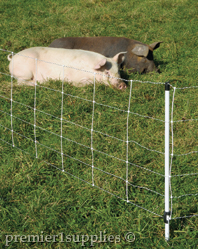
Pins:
<point x="36" y="197"/>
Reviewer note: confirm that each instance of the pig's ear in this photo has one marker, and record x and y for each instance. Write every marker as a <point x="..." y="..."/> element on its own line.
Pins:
<point x="119" y="58"/>
<point x="100" y="64"/>
<point x="155" y="45"/>
<point x="141" y="50"/>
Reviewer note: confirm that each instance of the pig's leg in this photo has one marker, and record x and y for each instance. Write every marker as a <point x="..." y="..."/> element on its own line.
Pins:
<point x="85" y="81"/>
<point x="27" y="78"/>
<point x="26" y="82"/>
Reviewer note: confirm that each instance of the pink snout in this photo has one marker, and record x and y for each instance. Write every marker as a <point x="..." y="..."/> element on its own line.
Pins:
<point x="122" y="86"/>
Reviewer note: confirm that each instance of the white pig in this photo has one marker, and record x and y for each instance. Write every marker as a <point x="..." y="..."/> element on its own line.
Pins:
<point x="43" y="63"/>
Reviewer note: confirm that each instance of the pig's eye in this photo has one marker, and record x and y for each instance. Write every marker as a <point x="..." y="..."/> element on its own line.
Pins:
<point x="107" y="72"/>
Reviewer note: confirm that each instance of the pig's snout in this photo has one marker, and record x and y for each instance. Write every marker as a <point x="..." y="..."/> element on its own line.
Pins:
<point x="122" y="86"/>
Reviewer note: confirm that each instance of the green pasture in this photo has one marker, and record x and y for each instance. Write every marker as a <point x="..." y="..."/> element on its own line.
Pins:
<point x="63" y="208"/>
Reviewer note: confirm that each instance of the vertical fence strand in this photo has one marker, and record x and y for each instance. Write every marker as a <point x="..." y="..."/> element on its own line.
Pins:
<point x="92" y="153"/>
<point x="127" y="142"/>
<point x="62" y="92"/>
<point x="35" y="83"/>
<point x="172" y="151"/>
<point x="11" y="100"/>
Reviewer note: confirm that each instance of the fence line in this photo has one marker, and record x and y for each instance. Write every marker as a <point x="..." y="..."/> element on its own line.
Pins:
<point x="131" y="141"/>
<point x="92" y="131"/>
<point x="85" y="180"/>
<point x="83" y="144"/>
<point x="80" y="160"/>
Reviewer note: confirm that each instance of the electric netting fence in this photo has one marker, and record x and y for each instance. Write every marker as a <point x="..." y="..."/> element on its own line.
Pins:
<point x="117" y="148"/>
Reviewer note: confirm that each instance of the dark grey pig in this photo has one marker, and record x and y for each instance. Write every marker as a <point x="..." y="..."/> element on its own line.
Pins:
<point x="139" y="57"/>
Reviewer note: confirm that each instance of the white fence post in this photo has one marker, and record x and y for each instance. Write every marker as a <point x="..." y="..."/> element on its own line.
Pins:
<point x="167" y="177"/>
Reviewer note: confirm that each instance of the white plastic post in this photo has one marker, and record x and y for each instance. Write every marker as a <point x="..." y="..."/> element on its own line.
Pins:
<point x="167" y="178"/>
